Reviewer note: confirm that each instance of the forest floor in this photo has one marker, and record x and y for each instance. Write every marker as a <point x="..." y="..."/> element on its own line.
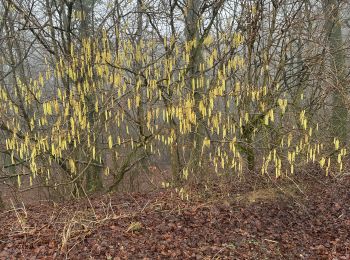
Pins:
<point x="304" y="218"/>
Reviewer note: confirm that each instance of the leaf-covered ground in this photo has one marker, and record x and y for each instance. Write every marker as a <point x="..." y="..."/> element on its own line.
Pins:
<point x="310" y="220"/>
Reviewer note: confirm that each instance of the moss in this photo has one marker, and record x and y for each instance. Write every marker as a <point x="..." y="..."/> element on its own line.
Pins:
<point x="268" y="194"/>
<point x="2" y="204"/>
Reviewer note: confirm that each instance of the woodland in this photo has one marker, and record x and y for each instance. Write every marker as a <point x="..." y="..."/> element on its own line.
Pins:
<point x="174" y="129"/>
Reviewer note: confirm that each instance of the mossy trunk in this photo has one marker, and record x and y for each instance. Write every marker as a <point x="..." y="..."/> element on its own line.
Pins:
<point x="93" y="179"/>
<point x="250" y="159"/>
<point x="192" y="30"/>
<point x="2" y="204"/>
<point x="93" y="174"/>
<point x="175" y="161"/>
<point x="333" y="28"/>
<point x="248" y="148"/>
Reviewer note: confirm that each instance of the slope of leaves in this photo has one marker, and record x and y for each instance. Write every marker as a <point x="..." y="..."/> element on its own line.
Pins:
<point x="161" y="226"/>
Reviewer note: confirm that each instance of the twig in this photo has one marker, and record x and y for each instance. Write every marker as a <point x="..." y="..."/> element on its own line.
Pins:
<point x="93" y="210"/>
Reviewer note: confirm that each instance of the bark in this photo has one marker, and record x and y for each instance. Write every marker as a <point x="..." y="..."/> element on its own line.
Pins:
<point x="2" y="204"/>
<point x="192" y="18"/>
<point x="93" y="174"/>
<point x="333" y="28"/>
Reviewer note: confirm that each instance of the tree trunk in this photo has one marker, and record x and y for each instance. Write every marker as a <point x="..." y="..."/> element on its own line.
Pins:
<point x="93" y="174"/>
<point x="192" y="30"/>
<point x="335" y="41"/>
<point x="2" y="204"/>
